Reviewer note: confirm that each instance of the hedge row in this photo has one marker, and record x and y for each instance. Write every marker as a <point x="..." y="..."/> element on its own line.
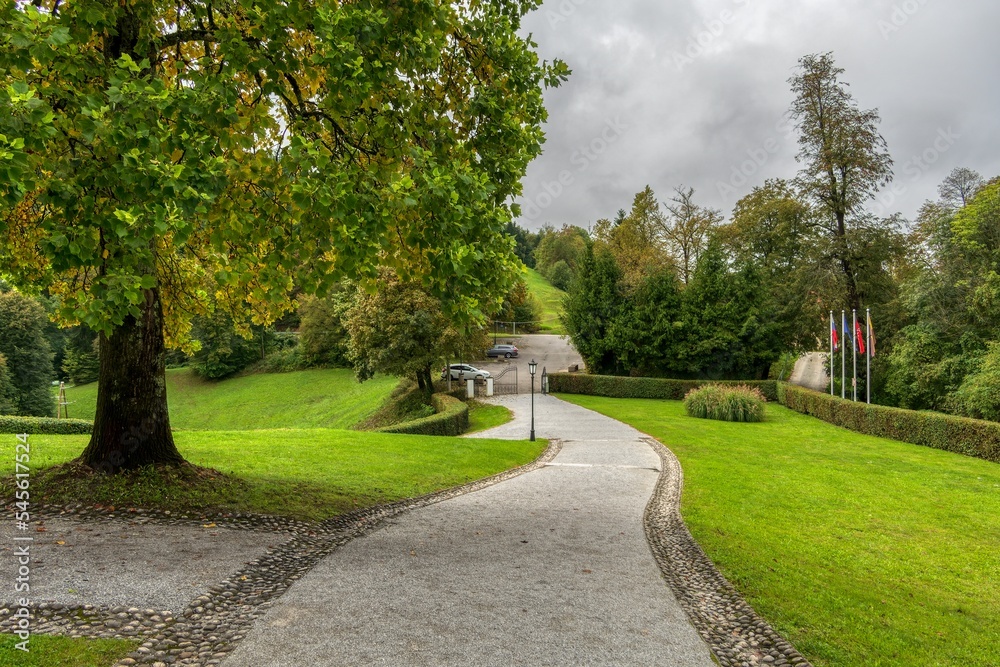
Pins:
<point x="972" y="437"/>
<point x="451" y="418"/>
<point x="44" y="425"/>
<point x="633" y="387"/>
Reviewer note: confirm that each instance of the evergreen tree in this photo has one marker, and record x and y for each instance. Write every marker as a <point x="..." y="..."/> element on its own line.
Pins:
<point x="29" y="357"/>
<point x="728" y="331"/>
<point x="647" y="331"/>
<point x="592" y="309"/>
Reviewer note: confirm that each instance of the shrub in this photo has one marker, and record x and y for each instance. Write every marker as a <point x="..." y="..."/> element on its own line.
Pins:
<point x="285" y="360"/>
<point x="324" y="339"/>
<point x="961" y="435"/>
<point x="979" y="394"/>
<point x="730" y="404"/>
<point x="612" y="386"/>
<point x="451" y="418"/>
<point x="45" y="426"/>
<point x="223" y="351"/>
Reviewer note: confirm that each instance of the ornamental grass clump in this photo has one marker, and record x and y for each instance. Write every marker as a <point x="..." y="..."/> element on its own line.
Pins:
<point x="738" y="403"/>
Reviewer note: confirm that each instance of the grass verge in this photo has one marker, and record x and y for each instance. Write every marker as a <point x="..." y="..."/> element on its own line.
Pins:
<point x="550" y="299"/>
<point x="484" y="416"/>
<point x="47" y="651"/>
<point x="862" y="551"/>
<point x="324" y="398"/>
<point x="309" y="474"/>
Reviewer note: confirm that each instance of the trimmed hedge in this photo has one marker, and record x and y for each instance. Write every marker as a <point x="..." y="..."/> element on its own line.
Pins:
<point x="971" y="437"/>
<point x="451" y="418"/>
<point x="44" y="425"/>
<point x="611" y="386"/>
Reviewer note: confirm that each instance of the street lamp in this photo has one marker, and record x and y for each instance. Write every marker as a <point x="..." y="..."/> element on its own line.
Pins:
<point x="532" y="367"/>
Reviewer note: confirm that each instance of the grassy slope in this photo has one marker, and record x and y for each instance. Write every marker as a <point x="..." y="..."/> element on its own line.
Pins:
<point x="862" y="551"/>
<point x="46" y="651"/>
<point x="303" y="473"/>
<point x="550" y="298"/>
<point x="484" y="416"/>
<point x="305" y="399"/>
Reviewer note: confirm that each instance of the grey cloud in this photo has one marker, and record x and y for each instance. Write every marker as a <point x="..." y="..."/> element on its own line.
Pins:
<point x="927" y="65"/>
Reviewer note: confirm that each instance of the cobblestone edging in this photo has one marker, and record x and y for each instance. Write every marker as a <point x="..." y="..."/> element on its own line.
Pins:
<point x="214" y="623"/>
<point x="737" y="636"/>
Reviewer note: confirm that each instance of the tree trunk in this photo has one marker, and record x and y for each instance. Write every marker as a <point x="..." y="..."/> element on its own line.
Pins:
<point x="853" y="297"/>
<point x="132" y="426"/>
<point x="427" y="383"/>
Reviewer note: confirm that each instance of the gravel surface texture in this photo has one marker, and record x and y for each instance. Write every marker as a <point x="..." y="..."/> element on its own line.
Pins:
<point x="121" y="563"/>
<point x="549" y="568"/>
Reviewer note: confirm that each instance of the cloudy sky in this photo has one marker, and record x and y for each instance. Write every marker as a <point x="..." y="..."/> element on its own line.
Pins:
<point x="695" y="92"/>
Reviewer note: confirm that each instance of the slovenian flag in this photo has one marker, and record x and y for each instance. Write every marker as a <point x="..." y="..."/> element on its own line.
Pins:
<point x="859" y="336"/>
<point x="833" y="336"/>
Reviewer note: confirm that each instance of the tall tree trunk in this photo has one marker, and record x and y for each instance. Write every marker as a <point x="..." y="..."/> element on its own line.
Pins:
<point x="853" y="297"/>
<point x="132" y="426"/>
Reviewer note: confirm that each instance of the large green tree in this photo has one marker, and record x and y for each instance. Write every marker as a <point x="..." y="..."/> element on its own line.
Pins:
<point x="159" y="160"/>
<point x="401" y="329"/>
<point x="845" y="162"/>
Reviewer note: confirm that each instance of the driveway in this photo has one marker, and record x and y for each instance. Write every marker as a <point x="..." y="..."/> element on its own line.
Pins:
<point x="554" y="353"/>
<point x="548" y="568"/>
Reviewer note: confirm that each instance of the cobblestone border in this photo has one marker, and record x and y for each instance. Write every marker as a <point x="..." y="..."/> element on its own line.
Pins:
<point x="212" y="625"/>
<point x="737" y="636"/>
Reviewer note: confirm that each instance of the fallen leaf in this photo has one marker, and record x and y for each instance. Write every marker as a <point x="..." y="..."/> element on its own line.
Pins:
<point x="208" y="525"/>
<point x="60" y="542"/>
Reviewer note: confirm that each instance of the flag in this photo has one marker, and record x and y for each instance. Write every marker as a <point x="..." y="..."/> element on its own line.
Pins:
<point x="846" y="330"/>
<point x="860" y="337"/>
<point x="833" y="336"/>
<point x="871" y="335"/>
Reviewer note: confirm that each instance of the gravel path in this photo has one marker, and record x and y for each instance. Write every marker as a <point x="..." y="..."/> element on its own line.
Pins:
<point x="548" y="568"/>
<point x="122" y="563"/>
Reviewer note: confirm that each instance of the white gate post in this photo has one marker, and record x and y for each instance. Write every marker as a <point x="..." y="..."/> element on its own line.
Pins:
<point x="470" y="388"/>
<point x="489" y="386"/>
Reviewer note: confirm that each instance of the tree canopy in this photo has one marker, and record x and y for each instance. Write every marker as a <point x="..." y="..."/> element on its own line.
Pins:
<point x="160" y="160"/>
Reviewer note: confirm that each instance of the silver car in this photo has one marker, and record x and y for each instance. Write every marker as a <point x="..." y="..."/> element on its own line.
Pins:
<point x="465" y="372"/>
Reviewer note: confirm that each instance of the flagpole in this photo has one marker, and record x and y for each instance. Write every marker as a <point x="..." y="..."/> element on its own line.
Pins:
<point x="832" y="325"/>
<point x="843" y="356"/>
<point x="868" y="355"/>
<point x="854" y="356"/>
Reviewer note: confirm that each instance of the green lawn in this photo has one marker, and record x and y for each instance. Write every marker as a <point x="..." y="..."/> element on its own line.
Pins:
<point x="329" y="398"/>
<point x="550" y="298"/>
<point x="300" y="473"/>
<point x="46" y="651"/>
<point x="484" y="416"/>
<point x="864" y="552"/>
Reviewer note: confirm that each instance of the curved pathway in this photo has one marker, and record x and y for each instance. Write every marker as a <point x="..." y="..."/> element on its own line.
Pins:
<point x="549" y="568"/>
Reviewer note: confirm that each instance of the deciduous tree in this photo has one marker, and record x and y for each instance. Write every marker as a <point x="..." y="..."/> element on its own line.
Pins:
<point x="845" y="159"/>
<point x="159" y="160"/>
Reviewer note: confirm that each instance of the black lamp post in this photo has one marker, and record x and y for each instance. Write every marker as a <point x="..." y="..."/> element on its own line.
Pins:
<point x="532" y="367"/>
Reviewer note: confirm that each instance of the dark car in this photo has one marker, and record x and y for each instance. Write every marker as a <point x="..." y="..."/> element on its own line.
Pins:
<point x="505" y="351"/>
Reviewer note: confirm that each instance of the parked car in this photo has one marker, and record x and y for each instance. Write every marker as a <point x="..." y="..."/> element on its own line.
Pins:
<point x="505" y="351"/>
<point x="465" y="372"/>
